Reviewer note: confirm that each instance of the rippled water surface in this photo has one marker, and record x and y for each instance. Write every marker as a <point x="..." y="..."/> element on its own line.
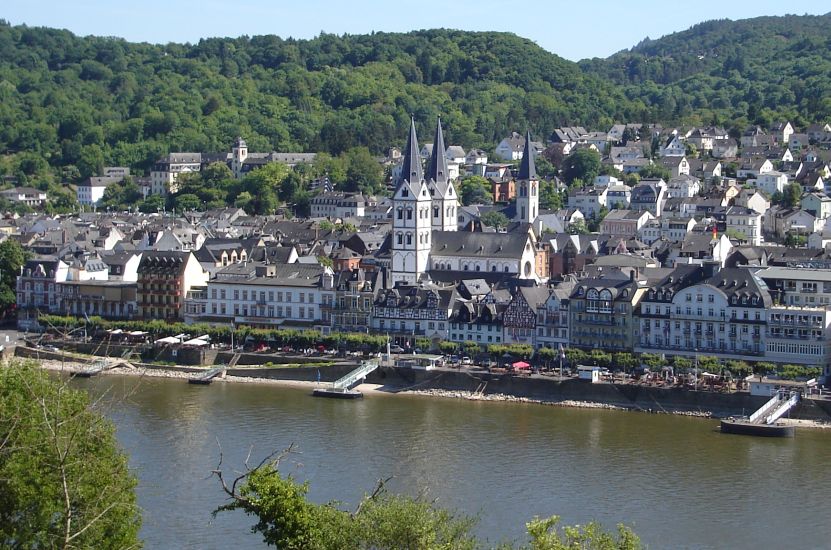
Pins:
<point x="676" y="480"/>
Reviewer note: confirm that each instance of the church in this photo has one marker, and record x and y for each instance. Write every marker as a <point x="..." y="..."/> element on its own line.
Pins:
<point x="425" y="242"/>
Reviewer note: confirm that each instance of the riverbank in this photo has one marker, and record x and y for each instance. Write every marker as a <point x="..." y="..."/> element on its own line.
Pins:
<point x="183" y="373"/>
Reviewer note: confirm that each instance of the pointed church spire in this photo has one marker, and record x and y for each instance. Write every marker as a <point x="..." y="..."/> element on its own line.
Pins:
<point x="527" y="170"/>
<point x="437" y="171"/>
<point x="411" y="168"/>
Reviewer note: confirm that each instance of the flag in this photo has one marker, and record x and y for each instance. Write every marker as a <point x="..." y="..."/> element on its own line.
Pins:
<point x="715" y="232"/>
<point x="562" y="351"/>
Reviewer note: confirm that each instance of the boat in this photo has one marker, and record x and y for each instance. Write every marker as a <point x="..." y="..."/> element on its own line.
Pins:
<point x="337" y="393"/>
<point x="744" y="426"/>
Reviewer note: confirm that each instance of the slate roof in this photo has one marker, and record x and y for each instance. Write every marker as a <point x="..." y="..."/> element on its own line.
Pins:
<point x="482" y="245"/>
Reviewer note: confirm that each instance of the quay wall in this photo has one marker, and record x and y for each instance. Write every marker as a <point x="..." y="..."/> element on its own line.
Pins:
<point x="628" y="396"/>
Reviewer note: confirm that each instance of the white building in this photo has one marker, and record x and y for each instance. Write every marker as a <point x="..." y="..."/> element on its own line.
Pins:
<point x="772" y="182"/>
<point x="746" y="223"/>
<point x="166" y="171"/>
<point x="265" y="295"/>
<point x="90" y="191"/>
<point x="25" y="195"/>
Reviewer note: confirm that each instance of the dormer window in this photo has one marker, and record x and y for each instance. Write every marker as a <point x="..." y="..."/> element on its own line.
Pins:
<point x="405" y="193"/>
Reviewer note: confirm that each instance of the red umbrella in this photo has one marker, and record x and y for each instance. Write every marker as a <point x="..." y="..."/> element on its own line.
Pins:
<point x="521" y="365"/>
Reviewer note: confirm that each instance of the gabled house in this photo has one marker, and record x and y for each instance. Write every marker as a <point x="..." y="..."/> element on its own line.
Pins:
<point x="781" y="131"/>
<point x="817" y="204"/>
<point x="752" y="168"/>
<point x="683" y="186"/>
<point x="725" y="148"/>
<point x="674" y="146"/>
<point x="677" y="165"/>
<point x="649" y="195"/>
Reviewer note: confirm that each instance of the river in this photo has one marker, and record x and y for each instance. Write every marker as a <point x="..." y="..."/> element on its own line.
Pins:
<point x="675" y="480"/>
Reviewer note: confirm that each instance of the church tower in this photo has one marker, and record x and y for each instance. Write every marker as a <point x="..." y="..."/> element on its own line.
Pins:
<point x="441" y="189"/>
<point x="411" y="220"/>
<point x="527" y="186"/>
<point x="239" y="153"/>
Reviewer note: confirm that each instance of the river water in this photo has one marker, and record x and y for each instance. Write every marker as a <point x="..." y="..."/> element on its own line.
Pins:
<point x="676" y="480"/>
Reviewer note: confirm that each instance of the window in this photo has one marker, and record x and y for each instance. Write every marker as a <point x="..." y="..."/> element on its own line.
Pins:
<point x="409" y="213"/>
<point x="401" y="212"/>
<point x="400" y="238"/>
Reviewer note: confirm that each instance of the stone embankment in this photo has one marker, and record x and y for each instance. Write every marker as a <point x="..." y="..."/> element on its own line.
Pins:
<point x="501" y="397"/>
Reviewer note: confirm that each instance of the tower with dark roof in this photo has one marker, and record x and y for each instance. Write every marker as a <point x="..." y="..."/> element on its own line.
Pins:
<point x="239" y="154"/>
<point x="412" y="220"/>
<point x="527" y="186"/>
<point x="440" y="187"/>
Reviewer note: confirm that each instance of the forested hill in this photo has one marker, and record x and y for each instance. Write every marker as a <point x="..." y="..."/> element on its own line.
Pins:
<point x="67" y="96"/>
<point x="758" y="69"/>
<point x="78" y="101"/>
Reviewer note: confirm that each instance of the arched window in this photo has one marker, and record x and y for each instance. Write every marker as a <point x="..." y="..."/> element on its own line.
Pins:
<point x="409" y="213"/>
<point x="465" y="267"/>
<point x="493" y="268"/>
<point x="435" y="211"/>
<point x="409" y="238"/>
<point x="478" y="268"/>
<point x="506" y="269"/>
<point x="400" y="213"/>
<point x="400" y="238"/>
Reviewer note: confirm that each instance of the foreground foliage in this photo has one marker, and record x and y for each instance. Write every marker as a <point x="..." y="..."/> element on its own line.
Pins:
<point x="288" y="520"/>
<point x="64" y="482"/>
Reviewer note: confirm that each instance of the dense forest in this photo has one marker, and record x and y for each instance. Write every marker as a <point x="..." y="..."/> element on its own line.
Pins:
<point x="70" y="104"/>
<point x="731" y="72"/>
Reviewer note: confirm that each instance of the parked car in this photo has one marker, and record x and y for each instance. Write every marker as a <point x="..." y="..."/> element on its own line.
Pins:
<point x="466" y="361"/>
<point x="396" y="349"/>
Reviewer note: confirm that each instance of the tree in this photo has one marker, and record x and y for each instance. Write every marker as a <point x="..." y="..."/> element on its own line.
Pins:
<point x="655" y="171"/>
<point x="363" y="172"/>
<point x="792" y="195"/>
<point x="64" y="481"/>
<point x="286" y="519"/>
<point x="12" y="258"/>
<point x="187" y="202"/>
<point x="153" y="203"/>
<point x="475" y="190"/>
<point x="495" y="219"/>
<point x="577" y="228"/>
<point x="582" y="164"/>
<point x="550" y="196"/>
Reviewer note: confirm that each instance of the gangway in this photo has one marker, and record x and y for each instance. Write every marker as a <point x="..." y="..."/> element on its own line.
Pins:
<point x="205" y="378"/>
<point x="342" y="387"/>
<point x="786" y="403"/>
<point x="97" y="367"/>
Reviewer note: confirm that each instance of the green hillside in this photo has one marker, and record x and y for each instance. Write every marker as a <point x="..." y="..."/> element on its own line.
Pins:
<point x="73" y="99"/>
<point x="77" y="102"/>
<point x="752" y="70"/>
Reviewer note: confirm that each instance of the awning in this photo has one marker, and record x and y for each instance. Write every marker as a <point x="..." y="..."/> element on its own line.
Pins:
<point x="195" y="342"/>
<point x="521" y="365"/>
<point x="168" y="340"/>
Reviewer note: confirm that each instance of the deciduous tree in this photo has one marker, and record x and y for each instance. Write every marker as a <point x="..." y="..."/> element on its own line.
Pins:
<point x="64" y="481"/>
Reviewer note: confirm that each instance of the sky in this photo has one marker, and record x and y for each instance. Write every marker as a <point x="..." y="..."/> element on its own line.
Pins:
<point x="572" y="29"/>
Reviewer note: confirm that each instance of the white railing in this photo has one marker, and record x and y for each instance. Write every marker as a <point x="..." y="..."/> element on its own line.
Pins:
<point x="764" y="409"/>
<point x="357" y="374"/>
<point x="783" y="408"/>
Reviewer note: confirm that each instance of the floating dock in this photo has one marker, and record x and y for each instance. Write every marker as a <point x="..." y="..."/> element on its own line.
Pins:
<point x="764" y="421"/>
<point x="342" y="388"/>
